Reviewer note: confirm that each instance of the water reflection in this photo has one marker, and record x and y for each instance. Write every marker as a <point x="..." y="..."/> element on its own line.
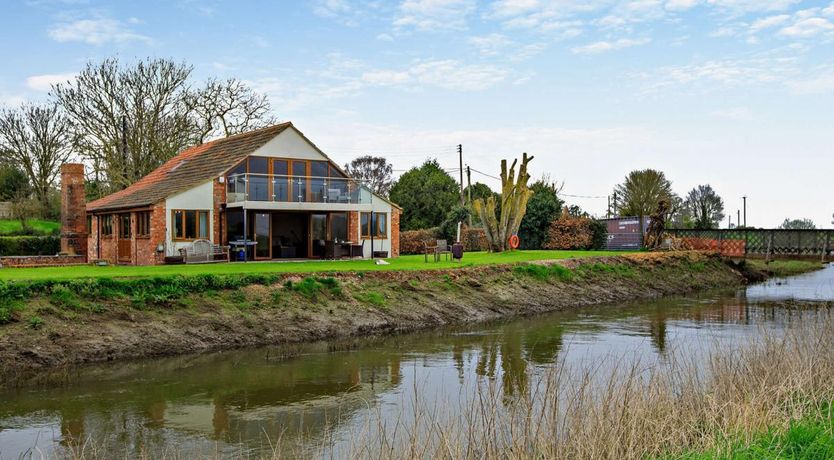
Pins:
<point x="250" y="401"/>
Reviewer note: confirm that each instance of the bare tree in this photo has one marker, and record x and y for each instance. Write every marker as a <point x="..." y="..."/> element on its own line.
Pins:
<point x="228" y="107"/>
<point x="705" y="206"/>
<point x="129" y="119"/>
<point x="375" y="171"/>
<point x="35" y="138"/>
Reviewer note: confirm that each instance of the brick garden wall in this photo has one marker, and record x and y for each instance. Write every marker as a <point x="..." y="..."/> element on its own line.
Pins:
<point x="41" y="261"/>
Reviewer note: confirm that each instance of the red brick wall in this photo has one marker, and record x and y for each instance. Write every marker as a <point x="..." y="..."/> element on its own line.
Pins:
<point x="42" y="261"/>
<point x="353" y="226"/>
<point x="143" y="249"/>
<point x="73" y="210"/>
<point x="219" y="193"/>
<point x="395" y="232"/>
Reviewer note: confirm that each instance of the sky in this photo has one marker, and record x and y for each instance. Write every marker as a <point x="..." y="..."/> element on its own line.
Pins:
<point x="738" y="94"/>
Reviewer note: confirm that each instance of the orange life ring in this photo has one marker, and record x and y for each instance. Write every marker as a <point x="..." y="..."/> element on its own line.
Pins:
<point x="514" y="241"/>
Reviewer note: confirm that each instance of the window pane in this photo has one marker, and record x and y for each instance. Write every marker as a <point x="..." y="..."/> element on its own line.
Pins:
<point x="299" y="181"/>
<point x="179" y="225"/>
<point x="338" y="226"/>
<point x="203" y="225"/>
<point x="364" y="219"/>
<point x="190" y="225"/>
<point x="381" y="225"/>
<point x="279" y="167"/>
<point x="258" y="165"/>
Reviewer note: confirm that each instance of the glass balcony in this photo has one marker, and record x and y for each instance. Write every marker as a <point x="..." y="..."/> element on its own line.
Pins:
<point x="295" y="189"/>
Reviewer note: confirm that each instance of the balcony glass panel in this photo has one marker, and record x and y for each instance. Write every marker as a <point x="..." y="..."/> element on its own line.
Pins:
<point x="296" y="189"/>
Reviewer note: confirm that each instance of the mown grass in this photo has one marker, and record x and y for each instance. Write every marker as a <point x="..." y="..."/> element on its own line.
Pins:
<point x="783" y="267"/>
<point x="38" y="227"/>
<point x="544" y="272"/>
<point x="407" y="262"/>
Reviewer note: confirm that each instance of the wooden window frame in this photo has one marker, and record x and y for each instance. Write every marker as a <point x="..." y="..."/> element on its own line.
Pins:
<point x="106" y="225"/>
<point x="364" y="230"/>
<point x="197" y="214"/>
<point x="143" y="224"/>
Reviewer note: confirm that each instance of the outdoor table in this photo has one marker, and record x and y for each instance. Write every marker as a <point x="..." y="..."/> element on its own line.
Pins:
<point x="239" y="247"/>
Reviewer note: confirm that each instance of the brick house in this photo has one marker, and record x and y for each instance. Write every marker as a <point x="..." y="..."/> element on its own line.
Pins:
<point x="270" y="190"/>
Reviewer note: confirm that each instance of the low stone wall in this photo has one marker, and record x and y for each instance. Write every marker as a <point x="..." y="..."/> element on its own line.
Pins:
<point x="41" y="261"/>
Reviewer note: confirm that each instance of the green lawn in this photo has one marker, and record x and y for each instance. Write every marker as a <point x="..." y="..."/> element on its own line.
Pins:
<point x="44" y="227"/>
<point x="410" y="262"/>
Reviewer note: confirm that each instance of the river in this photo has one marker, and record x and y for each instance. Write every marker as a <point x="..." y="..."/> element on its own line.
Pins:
<point x="299" y="398"/>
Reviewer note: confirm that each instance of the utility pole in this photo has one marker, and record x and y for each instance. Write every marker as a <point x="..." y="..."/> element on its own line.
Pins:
<point x="745" y="210"/>
<point x="616" y="206"/>
<point x="608" y="209"/>
<point x="460" y="156"/>
<point x="469" y="192"/>
<point x="730" y="221"/>
<point x="738" y="216"/>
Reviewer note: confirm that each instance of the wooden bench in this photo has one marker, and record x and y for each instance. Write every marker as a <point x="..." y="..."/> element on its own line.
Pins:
<point x="204" y="251"/>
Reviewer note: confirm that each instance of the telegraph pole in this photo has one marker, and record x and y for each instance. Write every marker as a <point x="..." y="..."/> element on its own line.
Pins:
<point x="738" y="217"/>
<point x="745" y="209"/>
<point x="469" y="192"/>
<point x="460" y="156"/>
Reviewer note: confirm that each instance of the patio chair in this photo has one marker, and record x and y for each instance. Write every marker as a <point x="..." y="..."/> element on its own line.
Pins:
<point x="430" y="247"/>
<point x="357" y="250"/>
<point x="443" y="248"/>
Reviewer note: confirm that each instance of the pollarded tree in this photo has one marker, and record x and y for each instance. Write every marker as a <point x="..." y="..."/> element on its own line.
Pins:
<point x="426" y="194"/>
<point x="705" y="206"/>
<point x="374" y="171"/>
<point x="515" y="195"/>
<point x="641" y="191"/>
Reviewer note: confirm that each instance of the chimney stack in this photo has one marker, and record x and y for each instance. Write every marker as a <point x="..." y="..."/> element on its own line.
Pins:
<point x="73" y="210"/>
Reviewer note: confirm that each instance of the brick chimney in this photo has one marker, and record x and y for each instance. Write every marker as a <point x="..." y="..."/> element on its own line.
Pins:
<point x="73" y="210"/>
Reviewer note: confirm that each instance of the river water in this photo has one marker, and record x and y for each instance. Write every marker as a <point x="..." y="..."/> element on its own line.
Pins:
<point x="257" y="402"/>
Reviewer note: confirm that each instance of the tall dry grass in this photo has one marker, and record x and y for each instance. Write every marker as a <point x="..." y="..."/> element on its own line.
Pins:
<point x="610" y="410"/>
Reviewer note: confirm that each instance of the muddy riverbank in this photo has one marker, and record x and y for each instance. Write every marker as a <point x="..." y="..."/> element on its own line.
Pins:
<point x="63" y="328"/>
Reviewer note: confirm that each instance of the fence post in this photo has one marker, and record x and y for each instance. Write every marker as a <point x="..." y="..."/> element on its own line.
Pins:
<point x="824" y="256"/>
<point x="769" y="247"/>
<point x="746" y="241"/>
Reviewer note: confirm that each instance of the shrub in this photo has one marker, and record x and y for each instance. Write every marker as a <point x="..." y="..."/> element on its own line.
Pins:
<point x="599" y="234"/>
<point x="29" y="245"/>
<point x="63" y="297"/>
<point x="414" y="241"/>
<point x="569" y="232"/>
<point x="35" y="322"/>
<point x="474" y="239"/>
<point x="371" y="297"/>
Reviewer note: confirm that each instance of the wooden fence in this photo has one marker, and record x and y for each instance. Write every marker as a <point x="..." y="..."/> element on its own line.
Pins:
<point x="761" y="242"/>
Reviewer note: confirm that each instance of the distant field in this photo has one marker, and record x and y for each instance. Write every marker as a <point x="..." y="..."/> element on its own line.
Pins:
<point x="43" y="227"/>
<point x="410" y="262"/>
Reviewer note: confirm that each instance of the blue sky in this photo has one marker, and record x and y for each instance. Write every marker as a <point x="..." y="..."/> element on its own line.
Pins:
<point x="735" y="93"/>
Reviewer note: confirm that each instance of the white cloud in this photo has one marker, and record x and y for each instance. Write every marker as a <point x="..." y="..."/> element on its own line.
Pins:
<point x="98" y="31"/>
<point x="490" y="45"/>
<point x="734" y="113"/>
<point x="425" y="15"/>
<point x="768" y="22"/>
<point x="341" y="11"/>
<point x="680" y="5"/>
<point x="45" y="82"/>
<point x="385" y="37"/>
<point x="604" y="46"/>
<point x="749" y="6"/>
<point x="805" y="28"/>
<point x="822" y="82"/>
<point x="446" y="74"/>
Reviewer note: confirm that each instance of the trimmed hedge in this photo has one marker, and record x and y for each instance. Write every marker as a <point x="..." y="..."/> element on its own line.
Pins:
<point x="414" y="241"/>
<point x="29" y="245"/>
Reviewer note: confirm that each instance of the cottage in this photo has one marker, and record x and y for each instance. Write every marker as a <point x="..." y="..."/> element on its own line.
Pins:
<point x="271" y="191"/>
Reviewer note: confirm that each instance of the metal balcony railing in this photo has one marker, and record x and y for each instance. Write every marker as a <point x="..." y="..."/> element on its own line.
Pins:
<point x="295" y="189"/>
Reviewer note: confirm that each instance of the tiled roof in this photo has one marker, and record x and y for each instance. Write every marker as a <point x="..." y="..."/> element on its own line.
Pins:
<point x="191" y="167"/>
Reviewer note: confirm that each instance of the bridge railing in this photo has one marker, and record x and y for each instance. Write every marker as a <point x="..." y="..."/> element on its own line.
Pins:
<point x="760" y="242"/>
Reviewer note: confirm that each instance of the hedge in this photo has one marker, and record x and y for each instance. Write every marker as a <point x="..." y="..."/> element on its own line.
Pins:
<point x="29" y="245"/>
<point x="414" y="241"/>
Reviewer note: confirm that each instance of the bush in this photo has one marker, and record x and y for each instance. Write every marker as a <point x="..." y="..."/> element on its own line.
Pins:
<point x="414" y="241"/>
<point x="474" y="239"/>
<point x="599" y="234"/>
<point x="29" y="245"/>
<point x="544" y="272"/>
<point x="569" y="232"/>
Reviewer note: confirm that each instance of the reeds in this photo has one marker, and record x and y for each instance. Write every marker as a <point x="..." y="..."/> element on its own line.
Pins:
<point x="611" y="410"/>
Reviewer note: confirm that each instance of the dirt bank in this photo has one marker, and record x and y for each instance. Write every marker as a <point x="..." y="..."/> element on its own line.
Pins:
<point x="63" y="329"/>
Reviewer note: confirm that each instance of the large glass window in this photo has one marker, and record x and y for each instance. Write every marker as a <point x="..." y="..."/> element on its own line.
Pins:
<point x="258" y="179"/>
<point x="190" y="224"/>
<point x="235" y="182"/>
<point x="280" y="180"/>
<point x="318" y="175"/>
<point x="378" y="225"/>
<point x="339" y="226"/>
<point x="299" y="181"/>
